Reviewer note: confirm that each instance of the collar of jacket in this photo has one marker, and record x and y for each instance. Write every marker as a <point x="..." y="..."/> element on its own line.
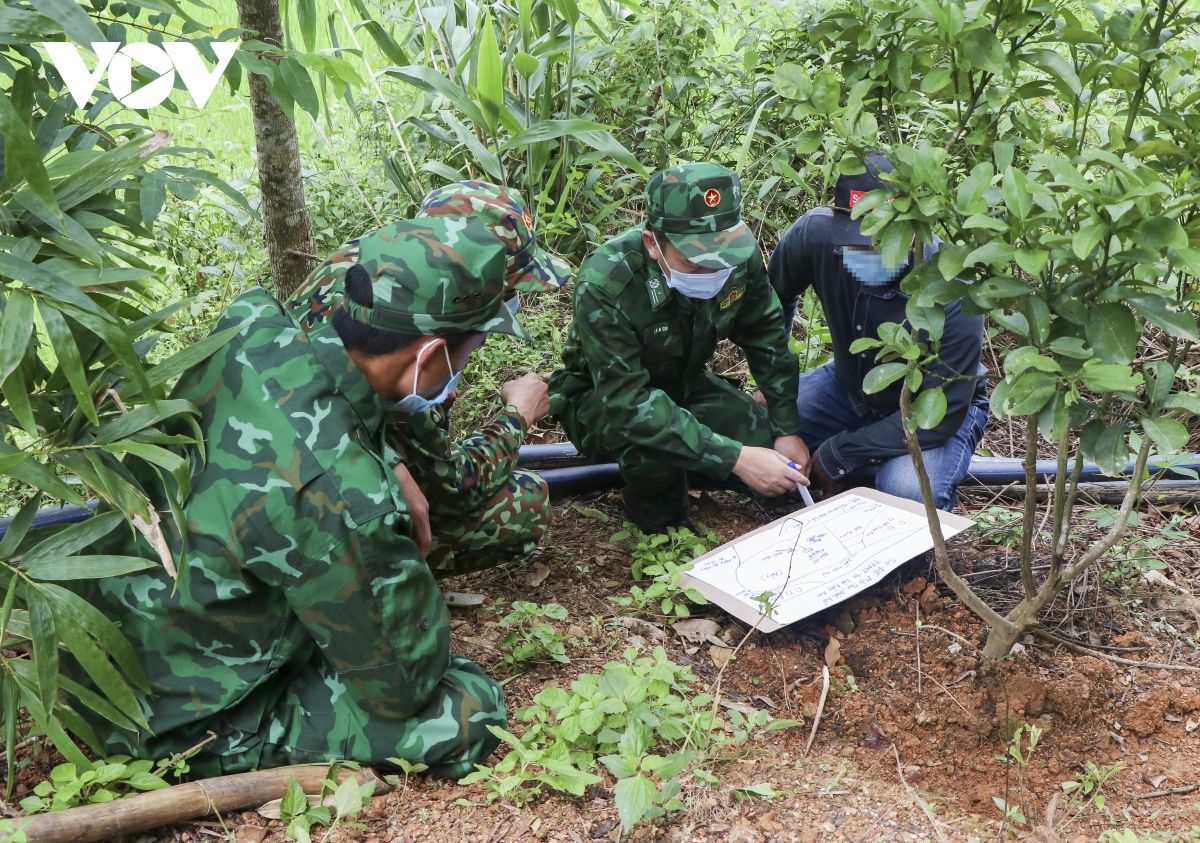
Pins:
<point x="347" y="378"/>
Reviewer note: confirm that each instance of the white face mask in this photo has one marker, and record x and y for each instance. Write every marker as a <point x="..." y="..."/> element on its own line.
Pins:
<point x="694" y="285"/>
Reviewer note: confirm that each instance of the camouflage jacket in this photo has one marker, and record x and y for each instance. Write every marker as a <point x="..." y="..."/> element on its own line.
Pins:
<point x="297" y="543"/>
<point x="641" y="346"/>
<point x="456" y="477"/>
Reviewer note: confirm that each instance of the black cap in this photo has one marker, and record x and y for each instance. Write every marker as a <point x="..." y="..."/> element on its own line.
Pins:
<point x="847" y="192"/>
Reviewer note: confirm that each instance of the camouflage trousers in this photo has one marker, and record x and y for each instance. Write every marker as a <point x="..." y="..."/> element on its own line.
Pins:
<point x="656" y="494"/>
<point x="313" y="718"/>
<point x="509" y="525"/>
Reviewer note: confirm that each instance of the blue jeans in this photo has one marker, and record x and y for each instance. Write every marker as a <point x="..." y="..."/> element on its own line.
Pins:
<point x="826" y="409"/>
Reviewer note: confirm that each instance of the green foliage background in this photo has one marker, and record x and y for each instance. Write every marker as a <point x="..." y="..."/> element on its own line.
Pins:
<point x="1051" y="146"/>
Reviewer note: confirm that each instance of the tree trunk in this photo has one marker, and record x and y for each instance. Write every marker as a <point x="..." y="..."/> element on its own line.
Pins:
<point x="286" y="225"/>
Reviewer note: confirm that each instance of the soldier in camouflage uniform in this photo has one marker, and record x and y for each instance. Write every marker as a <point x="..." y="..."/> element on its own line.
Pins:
<point x="481" y="509"/>
<point x="304" y="624"/>
<point x="649" y="308"/>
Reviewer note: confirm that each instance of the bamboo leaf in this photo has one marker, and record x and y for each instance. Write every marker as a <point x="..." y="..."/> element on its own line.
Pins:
<point x="44" y="635"/>
<point x="16" y="327"/>
<point x="22" y="156"/>
<point x="19" y="526"/>
<point x="71" y="539"/>
<point x="101" y="671"/>
<point x="140" y="418"/>
<point x="100" y="628"/>
<point x="33" y="473"/>
<point x="67" y="352"/>
<point x="85" y="567"/>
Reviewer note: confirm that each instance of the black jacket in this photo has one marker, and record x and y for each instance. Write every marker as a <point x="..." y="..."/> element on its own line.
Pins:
<point x="806" y="258"/>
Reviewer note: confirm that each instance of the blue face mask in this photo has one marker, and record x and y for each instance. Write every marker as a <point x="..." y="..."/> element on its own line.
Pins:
<point x="694" y="285"/>
<point x="869" y="269"/>
<point x="417" y="403"/>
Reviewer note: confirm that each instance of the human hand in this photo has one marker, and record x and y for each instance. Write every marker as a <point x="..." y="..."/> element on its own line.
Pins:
<point x="530" y="395"/>
<point x="794" y="449"/>
<point x="821" y="477"/>
<point x="759" y="398"/>
<point x="418" y="507"/>
<point x="767" y="471"/>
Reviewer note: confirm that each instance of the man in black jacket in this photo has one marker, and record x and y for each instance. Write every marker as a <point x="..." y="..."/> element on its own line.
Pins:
<point x="852" y="434"/>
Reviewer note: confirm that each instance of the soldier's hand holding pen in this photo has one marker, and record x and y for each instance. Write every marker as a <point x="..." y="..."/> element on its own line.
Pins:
<point x="767" y="471"/>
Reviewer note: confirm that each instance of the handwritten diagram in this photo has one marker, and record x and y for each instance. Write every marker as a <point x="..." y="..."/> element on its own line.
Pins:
<point x="816" y="557"/>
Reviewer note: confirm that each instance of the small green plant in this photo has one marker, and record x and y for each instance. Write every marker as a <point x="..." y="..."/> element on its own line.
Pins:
<point x="72" y="784"/>
<point x="1020" y="749"/>
<point x="336" y="803"/>
<point x="637" y="718"/>
<point x="664" y="558"/>
<point x="1087" y="788"/>
<point x="529" y="639"/>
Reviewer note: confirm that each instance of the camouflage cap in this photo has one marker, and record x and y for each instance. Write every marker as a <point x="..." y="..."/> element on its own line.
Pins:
<point x="698" y="208"/>
<point x="432" y="276"/>
<point x="503" y="210"/>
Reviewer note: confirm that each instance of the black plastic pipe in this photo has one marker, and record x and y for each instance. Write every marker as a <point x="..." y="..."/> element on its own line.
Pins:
<point x="569" y="472"/>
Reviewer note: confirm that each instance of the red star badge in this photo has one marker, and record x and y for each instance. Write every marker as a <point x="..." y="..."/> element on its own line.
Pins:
<point x="712" y="197"/>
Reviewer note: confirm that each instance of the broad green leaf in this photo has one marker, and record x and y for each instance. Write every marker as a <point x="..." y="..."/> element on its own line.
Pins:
<point x="298" y="83"/>
<point x="1110" y="377"/>
<point x="85" y="567"/>
<point x="983" y="50"/>
<point x="826" y="91"/>
<point x="525" y="64"/>
<point x="73" y="538"/>
<point x="1111" y="332"/>
<point x="1168" y="434"/>
<point x="1029" y="393"/>
<point x="1188" y="402"/>
<point x="1111" y="450"/>
<point x="1162" y="231"/>
<point x="635" y="796"/>
<point x="1057" y="66"/>
<point x="883" y="376"/>
<point x="489" y="73"/>
<point x="306" y="13"/>
<point x="1088" y="238"/>
<point x="763" y="790"/>
<point x="935" y="80"/>
<point x="929" y="408"/>
<point x="1027" y="357"/>
<point x="17" y="393"/>
<point x="1177" y="323"/>
<point x="16" y="327"/>
<point x="792" y="81"/>
<point x="76" y="23"/>
<point x="1017" y="197"/>
<point x="995" y="253"/>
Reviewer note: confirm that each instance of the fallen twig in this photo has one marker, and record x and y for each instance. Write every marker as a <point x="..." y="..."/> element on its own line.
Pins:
<point x="1087" y="651"/>
<point x="1174" y="791"/>
<point x="812" y="735"/>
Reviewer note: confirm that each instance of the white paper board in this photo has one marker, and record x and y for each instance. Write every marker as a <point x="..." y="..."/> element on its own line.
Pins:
<point x="816" y="557"/>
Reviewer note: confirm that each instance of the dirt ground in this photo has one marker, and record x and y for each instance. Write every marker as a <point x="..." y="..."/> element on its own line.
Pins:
<point x="912" y="740"/>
